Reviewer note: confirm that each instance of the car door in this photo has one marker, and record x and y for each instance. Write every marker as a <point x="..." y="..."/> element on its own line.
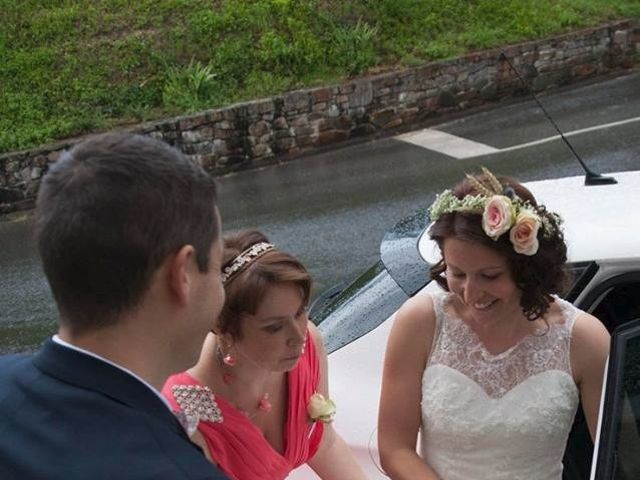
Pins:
<point x="617" y="452"/>
<point x="611" y="293"/>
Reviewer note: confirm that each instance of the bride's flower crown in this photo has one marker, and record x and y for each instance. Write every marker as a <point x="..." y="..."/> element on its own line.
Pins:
<point x="502" y="211"/>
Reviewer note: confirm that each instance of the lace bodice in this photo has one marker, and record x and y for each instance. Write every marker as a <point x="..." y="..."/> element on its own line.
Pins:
<point x="504" y="416"/>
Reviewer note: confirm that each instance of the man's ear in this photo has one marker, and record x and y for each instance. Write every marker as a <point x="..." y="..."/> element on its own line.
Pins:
<point x="180" y="272"/>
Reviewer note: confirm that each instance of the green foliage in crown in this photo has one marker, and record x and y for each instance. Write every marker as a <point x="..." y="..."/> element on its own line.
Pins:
<point x="447" y="202"/>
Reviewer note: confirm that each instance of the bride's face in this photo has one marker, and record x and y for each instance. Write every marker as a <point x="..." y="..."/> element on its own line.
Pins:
<point x="481" y="279"/>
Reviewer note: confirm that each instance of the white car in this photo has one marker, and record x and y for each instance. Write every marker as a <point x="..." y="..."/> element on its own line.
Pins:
<point x="602" y="230"/>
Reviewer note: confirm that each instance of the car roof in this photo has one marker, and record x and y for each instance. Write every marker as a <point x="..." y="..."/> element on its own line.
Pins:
<point x="600" y="221"/>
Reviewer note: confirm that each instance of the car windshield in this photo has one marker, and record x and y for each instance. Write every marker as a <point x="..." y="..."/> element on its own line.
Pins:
<point x="346" y="314"/>
<point x="361" y="307"/>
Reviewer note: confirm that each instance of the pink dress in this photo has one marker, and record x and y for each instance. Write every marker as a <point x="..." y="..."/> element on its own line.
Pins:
<point x="236" y="445"/>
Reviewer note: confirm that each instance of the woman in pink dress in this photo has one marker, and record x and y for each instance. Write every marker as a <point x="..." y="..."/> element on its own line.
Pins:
<point x="257" y="401"/>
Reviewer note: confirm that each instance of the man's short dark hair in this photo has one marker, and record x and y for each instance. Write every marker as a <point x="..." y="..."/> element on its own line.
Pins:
<point x="108" y="214"/>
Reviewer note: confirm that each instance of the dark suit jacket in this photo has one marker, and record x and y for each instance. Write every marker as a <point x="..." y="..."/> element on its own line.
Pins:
<point x="66" y="415"/>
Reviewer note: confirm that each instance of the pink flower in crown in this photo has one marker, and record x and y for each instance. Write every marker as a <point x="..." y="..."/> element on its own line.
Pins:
<point x="524" y="234"/>
<point x="497" y="216"/>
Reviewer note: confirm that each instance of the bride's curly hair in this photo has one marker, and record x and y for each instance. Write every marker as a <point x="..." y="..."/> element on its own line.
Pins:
<point x="538" y="276"/>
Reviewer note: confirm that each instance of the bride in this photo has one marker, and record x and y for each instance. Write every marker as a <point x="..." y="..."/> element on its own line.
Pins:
<point x="492" y="369"/>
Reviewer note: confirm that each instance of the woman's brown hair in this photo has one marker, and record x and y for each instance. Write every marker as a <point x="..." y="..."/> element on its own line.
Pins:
<point x="247" y="289"/>
<point x="538" y="276"/>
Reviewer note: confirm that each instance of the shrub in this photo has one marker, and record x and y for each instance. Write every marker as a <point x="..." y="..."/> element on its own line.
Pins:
<point x="190" y="88"/>
<point x="289" y="55"/>
<point x="68" y="66"/>
<point x="354" y="47"/>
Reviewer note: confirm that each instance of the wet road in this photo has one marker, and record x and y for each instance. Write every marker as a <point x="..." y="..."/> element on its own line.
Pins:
<point x="332" y="209"/>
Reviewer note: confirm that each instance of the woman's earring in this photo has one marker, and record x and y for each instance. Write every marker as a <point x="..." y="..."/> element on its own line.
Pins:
<point x="229" y="360"/>
<point x="264" y="405"/>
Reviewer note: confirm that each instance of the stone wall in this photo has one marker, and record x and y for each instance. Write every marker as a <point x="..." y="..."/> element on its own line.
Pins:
<point x="254" y="133"/>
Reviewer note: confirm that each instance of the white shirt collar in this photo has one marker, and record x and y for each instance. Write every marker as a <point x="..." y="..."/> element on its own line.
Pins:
<point x="61" y="342"/>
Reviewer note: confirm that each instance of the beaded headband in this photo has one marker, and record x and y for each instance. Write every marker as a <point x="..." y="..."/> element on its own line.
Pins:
<point x="245" y="258"/>
<point x="502" y="211"/>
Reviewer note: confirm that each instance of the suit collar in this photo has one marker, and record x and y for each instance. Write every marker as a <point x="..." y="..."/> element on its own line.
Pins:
<point x="91" y="373"/>
<point x="59" y="341"/>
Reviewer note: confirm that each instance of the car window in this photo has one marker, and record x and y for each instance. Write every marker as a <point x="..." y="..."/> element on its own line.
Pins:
<point x="618" y="304"/>
<point x="581" y="274"/>
<point x="619" y="432"/>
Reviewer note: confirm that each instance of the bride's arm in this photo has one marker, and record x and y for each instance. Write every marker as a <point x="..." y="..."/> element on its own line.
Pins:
<point x="589" y="351"/>
<point x="400" y="417"/>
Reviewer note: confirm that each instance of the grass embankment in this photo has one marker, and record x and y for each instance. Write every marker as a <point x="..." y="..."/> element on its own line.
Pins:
<point x="73" y="66"/>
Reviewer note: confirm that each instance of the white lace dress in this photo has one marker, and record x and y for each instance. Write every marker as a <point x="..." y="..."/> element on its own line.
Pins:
<point x="504" y="416"/>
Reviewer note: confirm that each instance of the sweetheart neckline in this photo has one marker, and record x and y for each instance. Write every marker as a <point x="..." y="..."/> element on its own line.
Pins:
<point x="562" y="373"/>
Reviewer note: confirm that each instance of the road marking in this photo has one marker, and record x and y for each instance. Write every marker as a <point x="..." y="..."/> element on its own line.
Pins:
<point x="451" y="145"/>
<point x="459" y="147"/>
<point x="571" y="134"/>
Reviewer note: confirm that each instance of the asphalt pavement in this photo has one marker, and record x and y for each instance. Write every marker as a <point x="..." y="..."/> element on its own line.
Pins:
<point x="332" y="209"/>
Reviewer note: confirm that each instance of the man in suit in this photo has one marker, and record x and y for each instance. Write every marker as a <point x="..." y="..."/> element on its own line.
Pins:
<point x="128" y="232"/>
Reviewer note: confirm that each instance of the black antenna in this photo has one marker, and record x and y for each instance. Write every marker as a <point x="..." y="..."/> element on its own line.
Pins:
<point x="591" y="178"/>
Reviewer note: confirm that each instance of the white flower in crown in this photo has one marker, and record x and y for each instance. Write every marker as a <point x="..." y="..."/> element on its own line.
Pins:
<point x="320" y="408"/>
<point x="524" y="234"/>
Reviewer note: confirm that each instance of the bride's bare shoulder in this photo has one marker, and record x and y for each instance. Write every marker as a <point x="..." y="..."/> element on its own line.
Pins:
<point x="414" y="326"/>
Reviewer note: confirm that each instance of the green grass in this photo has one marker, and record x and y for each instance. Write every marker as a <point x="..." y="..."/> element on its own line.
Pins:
<point x="72" y="66"/>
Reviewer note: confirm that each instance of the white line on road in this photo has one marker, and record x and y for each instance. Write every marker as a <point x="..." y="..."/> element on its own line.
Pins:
<point x="572" y="133"/>
<point x="446" y="143"/>
<point x="458" y="147"/>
